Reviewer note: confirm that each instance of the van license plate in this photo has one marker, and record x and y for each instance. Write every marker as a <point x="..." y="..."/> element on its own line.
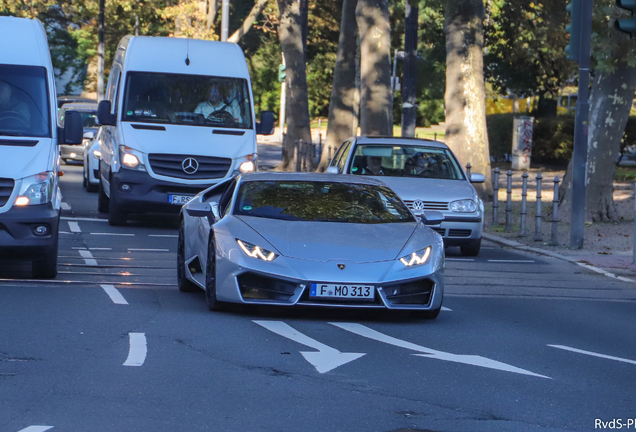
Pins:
<point x="178" y="199"/>
<point x="352" y="291"/>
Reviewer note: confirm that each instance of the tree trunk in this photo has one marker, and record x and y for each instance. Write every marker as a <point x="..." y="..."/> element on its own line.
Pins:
<point x="466" y="132"/>
<point x="376" y="113"/>
<point x="610" y="105"/>
<point x="247" y="23"/>
<point x="343" y="108"/>
<point x="213" y="8"/>
<point x="290" y="35"/>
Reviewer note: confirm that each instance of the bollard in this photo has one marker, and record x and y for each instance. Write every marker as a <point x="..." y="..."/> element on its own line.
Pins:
<point x="508" y="202"/>
<point x="538" y="236"/>
<point x="435" y="136"/>
<point x="330" y="149"/>
<point x="319" y="131"/>
<point x="468" y="167"/>
<point x="554" y="241"/>
<point x="495" y="197"/>
<point x="524" y="208"/>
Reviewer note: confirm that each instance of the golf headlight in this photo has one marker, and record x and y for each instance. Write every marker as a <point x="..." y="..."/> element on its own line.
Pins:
<point x="256" y="251"/>
<point x="463" y="206"/>
<point x="37" y="189"/>
<point x="417" y="258"/>
<point x="131" y="159"/>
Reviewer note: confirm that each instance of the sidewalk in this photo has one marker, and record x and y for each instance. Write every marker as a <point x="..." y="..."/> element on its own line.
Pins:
<point x="608" y="246"/>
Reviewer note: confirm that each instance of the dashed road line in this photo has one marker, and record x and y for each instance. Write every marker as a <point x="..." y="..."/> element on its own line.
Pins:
<point x="148" y="250"/>
<point x="593" y="354"/>
<point x="511" y="261"/>
<point x="83" y="219"/>
<point x="65" y="206"/>
<point x="113" y="234"/>
<point x="163" y="235"/>
<point x="114" y="294"/>
<point x="138" y="350"/>
<point x="36" y="429"/>
<point x="460" y="259"/>
<point x="88" y="257"/>
<point x="74" y="226"/>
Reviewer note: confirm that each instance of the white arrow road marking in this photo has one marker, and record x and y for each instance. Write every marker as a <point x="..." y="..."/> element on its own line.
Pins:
<point x="114" y="294"/>
<point x="324" y="360"/>
<point x="88" y="257"/>
<point x="444" y="308"/>
<point x="474" y="360"/>
<point x="74" y="226"/>
<point x="590" y="353"/>
<point x="36" y="429"/>
<point x="65" y="206"/>
<point x="138" y="349"/>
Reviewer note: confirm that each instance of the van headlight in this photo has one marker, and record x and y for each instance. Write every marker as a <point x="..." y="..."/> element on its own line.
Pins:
<point x="36" y="189"/>
<point x="463" y="206"/>
<point x="249" y="165"/>
<point x="417" y="258"/>
<point x="131" y="159"/>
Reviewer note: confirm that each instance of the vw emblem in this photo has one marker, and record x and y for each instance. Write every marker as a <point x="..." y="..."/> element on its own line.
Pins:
<point x="418" y="205"/>
<point x="341" y="266"/>
<point x="190" y="165"/>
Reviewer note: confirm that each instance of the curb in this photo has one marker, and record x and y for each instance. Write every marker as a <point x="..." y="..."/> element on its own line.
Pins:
<point x="516" y="245"/>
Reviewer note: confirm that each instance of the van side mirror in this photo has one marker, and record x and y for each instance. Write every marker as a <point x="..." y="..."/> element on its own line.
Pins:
<point x="477" y="178"/>
<point x="73" y="129"/>
<point x="104" y="116"/>
<point x="432" y="217"/>
<point x="266" y="125"/>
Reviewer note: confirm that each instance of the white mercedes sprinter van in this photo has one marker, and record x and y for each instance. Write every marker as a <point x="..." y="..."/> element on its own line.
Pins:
<point x="30" y="197"/>
<point x="178" y="117"/>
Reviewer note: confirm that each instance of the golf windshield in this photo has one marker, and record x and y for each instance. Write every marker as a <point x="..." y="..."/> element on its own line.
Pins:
<point x="193" y="100"/>
<point x="321" y="202"/>
<point x="24" y="101"/>
<point x="406" y="161"/>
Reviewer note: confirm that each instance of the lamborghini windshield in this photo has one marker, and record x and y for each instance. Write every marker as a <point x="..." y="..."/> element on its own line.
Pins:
<point x="321" y="202"/>
<point x="193" y="100"/>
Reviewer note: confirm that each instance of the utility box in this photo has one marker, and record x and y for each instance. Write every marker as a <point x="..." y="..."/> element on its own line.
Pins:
<point x="522" y="142"/>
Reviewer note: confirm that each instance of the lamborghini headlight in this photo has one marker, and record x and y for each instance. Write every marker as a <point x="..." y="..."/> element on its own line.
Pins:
<point x="416" y="258"/>
<point x="37" y="189"/>
<point x="256" y="251"/>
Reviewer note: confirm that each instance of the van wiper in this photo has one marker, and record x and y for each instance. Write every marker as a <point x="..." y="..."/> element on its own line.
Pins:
<point x="15" y="134"/>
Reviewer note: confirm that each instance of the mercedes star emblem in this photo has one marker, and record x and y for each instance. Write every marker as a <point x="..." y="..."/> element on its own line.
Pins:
<point x="418" y="205"/>
<point x="341" y="266"/>
<point x="190" y="166"/>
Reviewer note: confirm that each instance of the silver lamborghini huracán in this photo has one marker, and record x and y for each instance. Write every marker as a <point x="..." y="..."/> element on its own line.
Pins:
<point x="310" y="239"/>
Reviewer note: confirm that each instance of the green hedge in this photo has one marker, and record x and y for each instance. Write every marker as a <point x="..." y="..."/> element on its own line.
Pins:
<point x="552" y="141"/>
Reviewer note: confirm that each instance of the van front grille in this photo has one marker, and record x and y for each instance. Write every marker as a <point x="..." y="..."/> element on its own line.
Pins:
<point x="189" y="167"/>
<point x="6" y="189"/>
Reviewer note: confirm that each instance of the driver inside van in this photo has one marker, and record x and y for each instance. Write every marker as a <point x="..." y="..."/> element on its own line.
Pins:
<point x="217" y="109"/>
<point x="9" y="104"/>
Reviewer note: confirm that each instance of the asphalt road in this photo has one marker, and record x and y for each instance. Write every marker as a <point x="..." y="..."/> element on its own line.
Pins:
<point x="525" y="343"/>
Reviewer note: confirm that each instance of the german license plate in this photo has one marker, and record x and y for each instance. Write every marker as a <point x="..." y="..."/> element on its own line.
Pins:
<point x="179" y="199"/>
<point x="350" y="291"/>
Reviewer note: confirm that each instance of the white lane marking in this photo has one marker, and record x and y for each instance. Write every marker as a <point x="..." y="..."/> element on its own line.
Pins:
<point x="88" y="257"/>
<point x="460" y="259"/>
<point x="83" y="219"/>
<point x="114" y="294"/>
<point x="163" y="235"/>
<point x="474" y="360"/>
<point x="603" y="272"/>
<point x="590" y="353"/>
<point x="138" y="350"/>
<point x="113" y="234"/>
<point x="36" y="429"/>
<point x="101" y="249"/>
<point x="444" y="308"/>
<point x="78" y="248"/>
<point x="148" y="250"/>
<point x="512" y="261"/>
<point x="74" y="226"/>
<point x="326" y="359"/>
<point x="65" y="206"/>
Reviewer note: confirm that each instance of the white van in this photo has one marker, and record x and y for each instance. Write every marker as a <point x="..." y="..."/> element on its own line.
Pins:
<point x="178" y="117"/>
<point x="30" y="197"/>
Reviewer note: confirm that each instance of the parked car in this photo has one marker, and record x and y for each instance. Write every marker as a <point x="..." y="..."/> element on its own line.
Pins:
<point x="30" y="197"/>
<point x="427" y="176"/>
<point x="88" y="111"/>
<point x="310" y="239"/>
<point x="64" y="99"/>
<point x="92" y="156"/>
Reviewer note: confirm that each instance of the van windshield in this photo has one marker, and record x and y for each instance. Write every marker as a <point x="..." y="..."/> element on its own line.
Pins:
<point x="193" y="100"/>
<point x="24" y="101"/>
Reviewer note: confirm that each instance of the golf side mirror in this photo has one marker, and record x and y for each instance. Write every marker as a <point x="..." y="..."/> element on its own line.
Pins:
<point x="477" y="178"/>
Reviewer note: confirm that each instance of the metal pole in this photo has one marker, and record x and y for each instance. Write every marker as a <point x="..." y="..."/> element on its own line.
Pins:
<point x="468" y="167"/>
<point x="319" y="130"/>
<point x="554" y="241"/>
<point x="100" y="53"/>
<point x="579" y="158"/>
<point x="538" y="236"/>
<point x="225" y="18"/>
<point x="634" y="251"/>
<point x="524" y="202"/>
<point x="283" y="106"/>
<point x="509" y="202"/>
<point x="393" y="76"/>
<point x="409" y="90"/>
<point x="495" y="197"/>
